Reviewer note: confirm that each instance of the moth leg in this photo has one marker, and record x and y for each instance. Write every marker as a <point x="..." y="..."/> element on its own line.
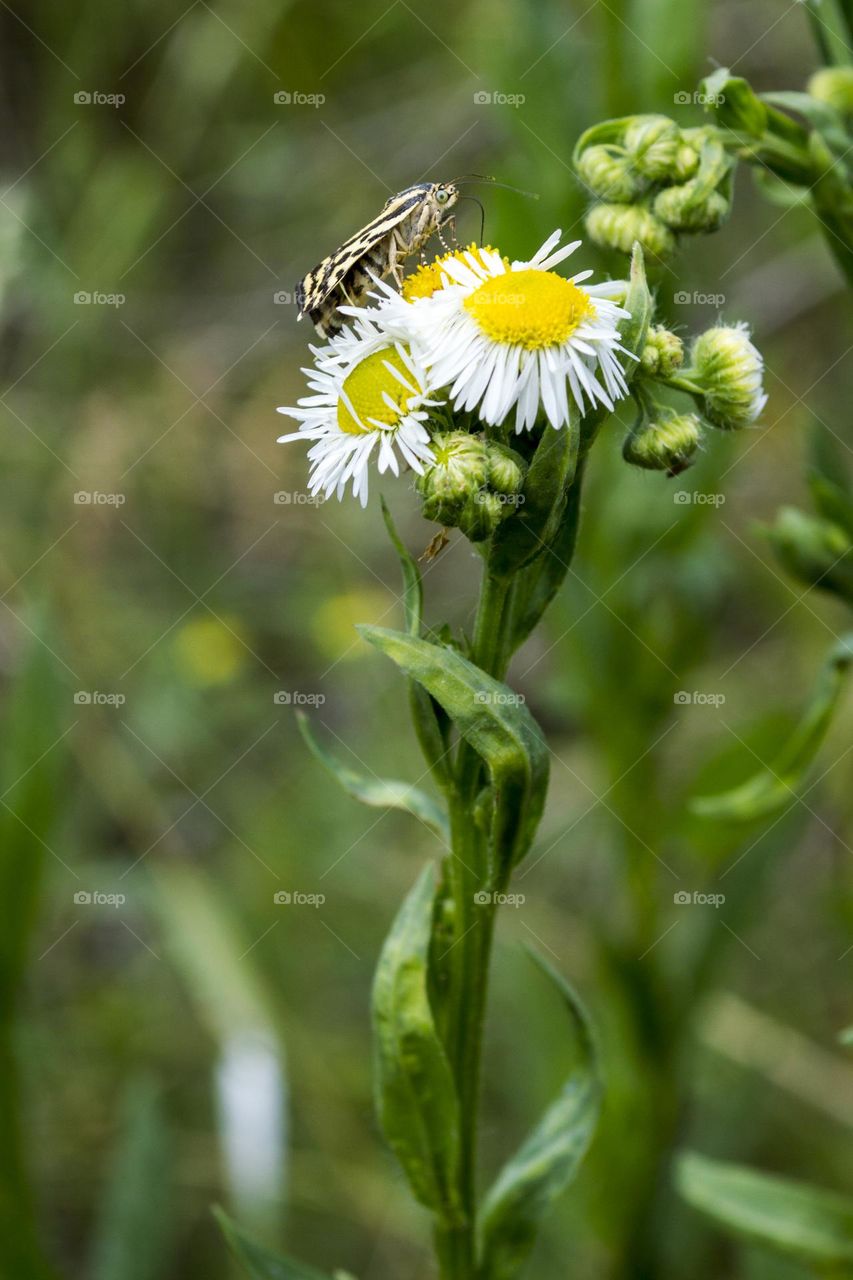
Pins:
<point x="395" y="264"/>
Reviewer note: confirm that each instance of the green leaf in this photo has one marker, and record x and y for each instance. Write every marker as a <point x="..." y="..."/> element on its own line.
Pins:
<point x="793" y="1218"/>
<point x="134" y="1233"/>
<point x="497" y="725"/>
<point x="548" y="1160"/>
<point x="413" y="591"/>
<point x="415" y="1093"/>
<point x="257" y="1261"/>
<point x="379" y="793"/>
<point x="733" y="102"/>
<point x="773" y="788"/>
<point x="424" y="711"/>
<point x="526" y="534"/>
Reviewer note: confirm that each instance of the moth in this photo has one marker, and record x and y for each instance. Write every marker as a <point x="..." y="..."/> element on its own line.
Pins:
<point x="402" y="228"/>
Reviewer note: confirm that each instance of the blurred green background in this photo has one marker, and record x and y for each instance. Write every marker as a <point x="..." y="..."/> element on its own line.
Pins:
<point x="199" y="1042"/>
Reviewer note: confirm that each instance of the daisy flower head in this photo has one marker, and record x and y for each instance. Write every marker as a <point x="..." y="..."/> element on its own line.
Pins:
<point x="371" y="400"/>
<point x="502" y="335"/>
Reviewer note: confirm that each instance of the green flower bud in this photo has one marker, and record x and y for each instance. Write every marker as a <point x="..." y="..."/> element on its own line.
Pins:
<point x="730" y="371"/>
<point x="662" y="354"/>
<point x="618" y="226"/>
<point x="834" y="86"/>
<point x="482" y="514"/>
<point x="653" y="143"/>
<point x="459" y="472"/>
<point x="814" y="550"/>
<point x="608" y="173"/>
<point x="506" y="469"/>
<point x="681" y="210"/>
<point x="667" y="444"/>
<point x="686" y="162"/>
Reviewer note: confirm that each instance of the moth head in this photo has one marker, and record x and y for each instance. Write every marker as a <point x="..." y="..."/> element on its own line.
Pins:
<point x="445" y="195"/>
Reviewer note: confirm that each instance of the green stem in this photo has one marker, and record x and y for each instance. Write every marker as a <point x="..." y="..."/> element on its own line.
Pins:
<point x="470" y="873"/>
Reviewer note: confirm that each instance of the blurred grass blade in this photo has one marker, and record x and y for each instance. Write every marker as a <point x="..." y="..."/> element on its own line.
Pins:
<point x="493" y="720"/>
<point x="792" y="1218"/>
<point x="548" y="1160"/>
<point x="379" y="793"/>
<point x="135" y="1229"/>
<point x="415" y="1094"/>
<point x="257" y="1261"/>
<point x="773" y="788"/>
<point x="32" y="760"/>
<point x="239" y="1012"/>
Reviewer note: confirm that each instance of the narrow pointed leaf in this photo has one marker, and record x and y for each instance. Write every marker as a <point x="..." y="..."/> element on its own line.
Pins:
<point x="792" y="1218"/>
<point x="413" y="592"/>
<point x="415" y="1094"/>
<point x="548" y="1160"/>
<point x="527" y="533"/>
<point x="493" y="720"/>
<point x="379" y="793"/>
<point x="775" y="788"/>
<point x="258" y="1262"/>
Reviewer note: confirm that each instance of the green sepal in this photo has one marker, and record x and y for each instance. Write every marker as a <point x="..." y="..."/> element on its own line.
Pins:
<point x="415" y="1093"/>
<point x="774" y="788"/>
<point x="379" y="793"/>
<point x="491" y="718"/>
<point x="548" y="1160"/>
<point x="792" y="1218"/>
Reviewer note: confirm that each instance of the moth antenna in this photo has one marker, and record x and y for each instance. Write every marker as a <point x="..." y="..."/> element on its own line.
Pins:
<point x="479" y="177"/>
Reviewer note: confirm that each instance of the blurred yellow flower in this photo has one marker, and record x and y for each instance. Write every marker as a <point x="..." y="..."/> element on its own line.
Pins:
<point x="335" y="620"/>
<point x="209" y="650"/>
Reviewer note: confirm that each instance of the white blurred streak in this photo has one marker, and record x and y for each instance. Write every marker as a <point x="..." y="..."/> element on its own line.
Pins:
<point x="251" y="1095"/>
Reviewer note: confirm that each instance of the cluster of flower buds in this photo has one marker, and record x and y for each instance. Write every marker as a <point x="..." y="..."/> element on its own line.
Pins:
<point x="473" y="484"/>
<point x="652" y="182"/>
<point x="724" y="377"/>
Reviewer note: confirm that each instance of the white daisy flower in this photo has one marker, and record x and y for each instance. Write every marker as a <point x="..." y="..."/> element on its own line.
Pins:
<point x="504" y="335"/>
<point x="371" y="395"/>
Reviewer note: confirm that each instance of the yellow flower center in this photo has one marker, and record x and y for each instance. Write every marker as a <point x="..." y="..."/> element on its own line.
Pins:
<point x="429" y="277"/>
<point x="530" y="308"/>
<point x="363" y="389"/>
